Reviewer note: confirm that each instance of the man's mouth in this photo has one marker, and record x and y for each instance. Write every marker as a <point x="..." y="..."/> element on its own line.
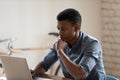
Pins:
<point x="62" y="38"/>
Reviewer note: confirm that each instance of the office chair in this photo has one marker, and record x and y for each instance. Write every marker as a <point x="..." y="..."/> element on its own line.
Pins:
<point x="109" y="77"/>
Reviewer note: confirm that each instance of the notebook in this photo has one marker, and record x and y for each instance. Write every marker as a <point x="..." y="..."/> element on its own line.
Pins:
<point x="17" y="69"/>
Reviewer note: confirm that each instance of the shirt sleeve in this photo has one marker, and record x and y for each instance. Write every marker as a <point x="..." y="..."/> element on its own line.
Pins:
<point x="90" y="57"/>
<point x="49" y="59"/>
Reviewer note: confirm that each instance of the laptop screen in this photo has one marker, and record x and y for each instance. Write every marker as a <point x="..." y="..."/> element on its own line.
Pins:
<point x="16" y="68"/>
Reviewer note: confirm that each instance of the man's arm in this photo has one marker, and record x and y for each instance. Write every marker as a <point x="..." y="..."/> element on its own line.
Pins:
<point x="46" y="63"/>
<point x="75" y="70"/>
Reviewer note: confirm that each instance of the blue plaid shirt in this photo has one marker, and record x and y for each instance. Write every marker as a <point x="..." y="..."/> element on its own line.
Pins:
<point x="86" y="53"/>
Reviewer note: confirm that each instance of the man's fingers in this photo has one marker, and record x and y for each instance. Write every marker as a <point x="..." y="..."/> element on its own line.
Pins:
<point x="31" y="71"/>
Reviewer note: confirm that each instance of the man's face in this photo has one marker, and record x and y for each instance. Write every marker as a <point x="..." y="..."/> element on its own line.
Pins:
<point x="66" y="30"/>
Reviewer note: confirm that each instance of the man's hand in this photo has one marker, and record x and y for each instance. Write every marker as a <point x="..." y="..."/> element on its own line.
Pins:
<point x="39" y="70"/>
<point x="60" y="44"/>
<point x="34" y="74"/>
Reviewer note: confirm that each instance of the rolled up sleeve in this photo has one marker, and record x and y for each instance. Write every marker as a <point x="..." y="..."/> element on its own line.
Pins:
<point x="90" y="57"/>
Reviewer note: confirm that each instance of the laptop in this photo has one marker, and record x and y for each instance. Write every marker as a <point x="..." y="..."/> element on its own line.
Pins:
<point x="17" y="69"/>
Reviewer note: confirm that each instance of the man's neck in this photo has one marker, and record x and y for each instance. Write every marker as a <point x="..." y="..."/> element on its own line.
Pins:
<point x="74" y="39"/>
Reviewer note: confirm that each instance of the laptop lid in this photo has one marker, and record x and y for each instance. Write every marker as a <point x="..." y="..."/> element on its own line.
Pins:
<point x="16" y="68"/>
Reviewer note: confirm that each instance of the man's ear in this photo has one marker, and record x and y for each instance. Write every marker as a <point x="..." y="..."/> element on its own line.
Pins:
<point x="77" y="26"/>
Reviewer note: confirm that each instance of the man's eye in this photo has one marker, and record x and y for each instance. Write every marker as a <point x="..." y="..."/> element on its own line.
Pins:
<point x="58" y="28"/>
<point x="62" y="29"/>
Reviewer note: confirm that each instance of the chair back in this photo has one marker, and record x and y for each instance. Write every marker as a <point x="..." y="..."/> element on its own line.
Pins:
<point x="109" y="77"/>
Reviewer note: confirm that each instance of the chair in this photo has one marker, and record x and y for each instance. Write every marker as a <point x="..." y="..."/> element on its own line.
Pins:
<point x="57" y="70"/>
<point x="109" y="77"/>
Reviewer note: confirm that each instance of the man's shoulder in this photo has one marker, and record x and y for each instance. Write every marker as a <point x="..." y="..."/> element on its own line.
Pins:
<point x="89" y="38"/>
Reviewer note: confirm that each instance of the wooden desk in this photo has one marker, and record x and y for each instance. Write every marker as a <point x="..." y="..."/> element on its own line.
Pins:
<point x="44" y="76"/>
<point x="54" y="77"/>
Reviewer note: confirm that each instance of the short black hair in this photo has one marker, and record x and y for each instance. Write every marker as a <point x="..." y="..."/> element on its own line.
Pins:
<point x="71" y="15"/>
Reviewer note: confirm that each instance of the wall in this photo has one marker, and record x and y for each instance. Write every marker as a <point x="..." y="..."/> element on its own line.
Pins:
<point x="111" y="36"/>
<point x="31" y="20"/>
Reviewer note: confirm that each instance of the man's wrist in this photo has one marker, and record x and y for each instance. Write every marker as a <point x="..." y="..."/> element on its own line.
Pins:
<point x="59" y="51"/>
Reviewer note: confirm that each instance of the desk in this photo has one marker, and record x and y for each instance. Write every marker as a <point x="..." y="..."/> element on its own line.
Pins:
<point x="45" y="76"/>
<point x="54" y="77"/>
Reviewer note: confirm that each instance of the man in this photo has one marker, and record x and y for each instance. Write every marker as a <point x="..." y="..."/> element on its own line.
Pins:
<point x="80" y="55"/>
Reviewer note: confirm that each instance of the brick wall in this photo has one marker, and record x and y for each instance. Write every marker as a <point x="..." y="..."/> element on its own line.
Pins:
<point x="111" y="36"/>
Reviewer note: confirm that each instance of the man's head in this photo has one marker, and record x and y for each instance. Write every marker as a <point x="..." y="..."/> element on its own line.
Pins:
<point x="69" y="23"/>
<point x="71" y="15"/>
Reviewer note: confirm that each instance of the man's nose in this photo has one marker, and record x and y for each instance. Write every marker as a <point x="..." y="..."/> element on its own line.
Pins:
<point x="60" y="33"/>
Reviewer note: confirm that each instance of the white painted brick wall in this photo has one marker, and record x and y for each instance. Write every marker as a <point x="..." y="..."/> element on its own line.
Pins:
<point x="111" y="36"/>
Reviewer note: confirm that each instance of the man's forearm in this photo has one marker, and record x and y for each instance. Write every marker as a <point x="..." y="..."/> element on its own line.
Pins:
<point x="39" y="70"/>
<point x="75" y="70"/>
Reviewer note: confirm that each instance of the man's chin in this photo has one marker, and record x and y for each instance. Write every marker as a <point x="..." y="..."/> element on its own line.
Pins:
<point x="62" y="39"/>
